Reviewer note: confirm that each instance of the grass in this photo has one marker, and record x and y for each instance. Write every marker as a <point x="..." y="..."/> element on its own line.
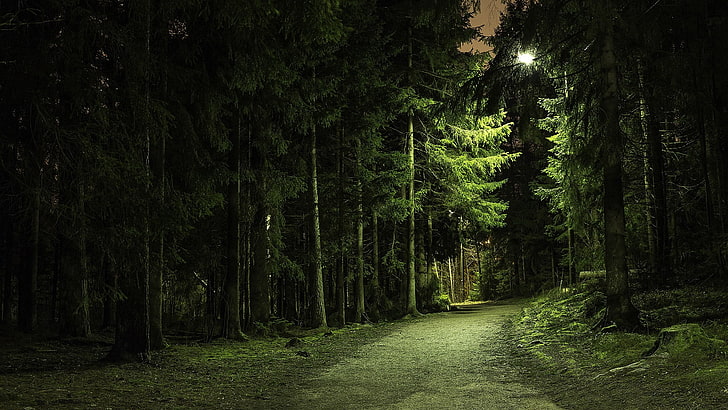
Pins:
<point x="188" y="374"/>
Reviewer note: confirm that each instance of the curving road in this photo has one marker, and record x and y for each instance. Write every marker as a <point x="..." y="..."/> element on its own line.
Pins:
<point x="450" y="360"/>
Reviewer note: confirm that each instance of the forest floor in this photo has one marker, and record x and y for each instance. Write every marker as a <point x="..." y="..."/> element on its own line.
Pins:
<point x="467" y="358"/>
<point x="561" y="345"/>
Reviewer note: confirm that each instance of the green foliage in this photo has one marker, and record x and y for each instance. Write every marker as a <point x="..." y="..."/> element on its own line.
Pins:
<point x="576" y="189"/>
<point x="442" y="302"/>
<point x="464" y="157"/>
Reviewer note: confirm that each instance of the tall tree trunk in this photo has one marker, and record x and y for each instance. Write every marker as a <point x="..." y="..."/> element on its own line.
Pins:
<point x="411" y="306"/>
<point x="649" y="216"/>
<point x="146" y="273"/>
<point x="6" y="232"/>
<point x="461" y="273"/>
<point x="711" y="149"/>
<point x="211" y="306"/>
<point x="156" y="279"/>
<point x="572" y="278"/>
<point x="620" y="308"/>
<point x="429" y="254"/>
<point x="132" y="336"/>
<point x="516" y="278"/>
<point x="340" y="285"/>
<point x="132" y="317"/>
<point x="156" y="275"/>
<point x="317" y="308"/>
<point x="259" y="281"/>
<point x="246" y="234"/>
<point x="451" y="290"/>
<point x="232" y="328"/>
<point x="28" y="277"/>
<point x="75" y="317"/>
<point x="424" y="298"/>
<point x="481" y="288"/>
<point x="554" y="279"/>
<point x="655" y="182"/>
<point x="713" y="126"/>
<point x="110" y="281"/>
<point x="375" y="287"/>
<point x="7" y="294"/>
<point x="359" y="288"/>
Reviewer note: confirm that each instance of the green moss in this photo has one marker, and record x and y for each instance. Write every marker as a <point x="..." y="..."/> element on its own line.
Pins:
<point x="620" y="348"/>
<point x="565" y="332"/>
<point x="714" y="377"/>
<point x="690" y="344"/>
<point x="716" y="330"/>
<point x="543" y="357"/>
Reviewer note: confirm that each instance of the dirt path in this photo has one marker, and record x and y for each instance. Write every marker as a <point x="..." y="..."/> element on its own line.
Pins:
<point x="451" y="360"/>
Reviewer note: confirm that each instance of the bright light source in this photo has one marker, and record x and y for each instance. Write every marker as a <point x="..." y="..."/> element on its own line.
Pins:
<point x="525" y="58"/>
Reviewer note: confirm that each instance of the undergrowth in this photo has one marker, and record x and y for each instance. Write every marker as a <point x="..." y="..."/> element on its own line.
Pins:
<point x="692" y="304"/>
<point x="565" y="332"/>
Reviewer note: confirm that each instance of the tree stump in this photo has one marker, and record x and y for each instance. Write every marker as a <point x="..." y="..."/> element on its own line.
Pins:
<point x="687" y="340"/>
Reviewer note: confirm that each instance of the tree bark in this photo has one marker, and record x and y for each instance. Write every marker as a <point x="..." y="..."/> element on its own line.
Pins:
<point x="424" y="297"/>
<point x="429" y="253"/>
<point x="75" y="317"/>
<point x="247" y="259"/>
<point x="317" y="308"/>
<point x="619" y="305"/>
<point x="232" y="328"/>
<point x="259" y="281"/>
<point x="132" y="336"/>
<point x="156" y="278"/>
<point x="6" y="233"/>
<point x="572" y="278"/>
<point x="451" y="292"/>
<point x="7" y="241"/>
<point x="411" y="304"/>
<point x="375" y="287"/>
<point x="461" y="272"/>
<point x="340" y="285"/>
<point x="132" y="317"/>
<point x="359" y="289"/>
<point x="28" y="277"/>
<point x="655" y="185"/>
<point x="110" y="281"/>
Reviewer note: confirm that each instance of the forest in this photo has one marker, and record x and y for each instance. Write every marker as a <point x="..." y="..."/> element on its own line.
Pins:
<point x="220" y="167"/>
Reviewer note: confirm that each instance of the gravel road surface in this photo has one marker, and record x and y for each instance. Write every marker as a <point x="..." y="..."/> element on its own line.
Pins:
<point x="452" y="360"/>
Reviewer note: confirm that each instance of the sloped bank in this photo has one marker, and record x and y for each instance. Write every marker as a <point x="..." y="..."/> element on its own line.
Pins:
<point x="561" y="341"/>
